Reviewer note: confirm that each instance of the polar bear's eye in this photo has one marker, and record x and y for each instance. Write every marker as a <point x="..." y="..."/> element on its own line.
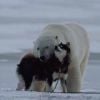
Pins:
<point x="38" y="48"/>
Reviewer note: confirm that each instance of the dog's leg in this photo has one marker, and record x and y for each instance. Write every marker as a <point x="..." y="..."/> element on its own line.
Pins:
<point x="48" y="88"/>
<point x="63" y="85"/>
<point x="21" y="83"/>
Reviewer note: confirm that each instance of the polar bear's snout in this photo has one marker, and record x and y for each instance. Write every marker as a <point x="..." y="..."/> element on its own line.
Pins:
<point x="45" y="53"/>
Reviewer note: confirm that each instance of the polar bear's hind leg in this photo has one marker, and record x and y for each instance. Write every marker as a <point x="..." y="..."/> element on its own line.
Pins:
<point x="84" y="64"/>
<point x="74" y="79"/>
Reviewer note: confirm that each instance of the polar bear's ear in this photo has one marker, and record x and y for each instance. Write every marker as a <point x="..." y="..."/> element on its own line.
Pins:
<point x="56" y="37"/>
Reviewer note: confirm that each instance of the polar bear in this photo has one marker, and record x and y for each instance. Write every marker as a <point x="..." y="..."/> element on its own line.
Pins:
<point x="54" y="34"/>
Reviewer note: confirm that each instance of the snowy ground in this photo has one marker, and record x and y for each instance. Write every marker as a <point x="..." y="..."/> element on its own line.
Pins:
<point x="46" y="96"/>
<point x="20" y="24"/>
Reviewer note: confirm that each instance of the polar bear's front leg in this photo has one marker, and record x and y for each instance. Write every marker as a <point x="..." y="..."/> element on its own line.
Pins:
<point x="74" y="79"/>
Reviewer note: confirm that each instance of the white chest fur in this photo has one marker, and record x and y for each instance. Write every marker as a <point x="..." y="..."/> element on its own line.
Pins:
<point x="57" y="75"/>
<point x="60" y="55"/>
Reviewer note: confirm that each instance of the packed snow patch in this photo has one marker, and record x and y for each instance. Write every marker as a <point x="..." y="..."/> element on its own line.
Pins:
<point x="23" y="95"/>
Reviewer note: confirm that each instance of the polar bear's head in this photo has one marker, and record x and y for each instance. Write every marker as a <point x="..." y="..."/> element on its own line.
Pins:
<point x="44" y="47"/>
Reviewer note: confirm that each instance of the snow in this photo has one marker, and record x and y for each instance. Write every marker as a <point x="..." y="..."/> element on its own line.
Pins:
<point x="12" y="95"/>
<point x="8" y="83"/>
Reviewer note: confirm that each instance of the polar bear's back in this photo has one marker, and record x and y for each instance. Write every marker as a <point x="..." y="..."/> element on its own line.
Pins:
<point x="79" y="31"/>
<point x="54" y="30"/>
<point x="73" y="33"/>
<point x="68" y="32"/>
<point x="81" y="39"/>
<point x="70" y="29"/>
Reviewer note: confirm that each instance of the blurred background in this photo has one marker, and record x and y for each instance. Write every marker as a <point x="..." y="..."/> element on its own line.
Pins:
<point x="21" y="21"/>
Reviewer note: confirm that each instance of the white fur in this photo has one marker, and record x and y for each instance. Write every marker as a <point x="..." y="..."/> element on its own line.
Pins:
<point x="59" y="75"/>
<point x="60" y="55"/>
<point x="79" y="45"/>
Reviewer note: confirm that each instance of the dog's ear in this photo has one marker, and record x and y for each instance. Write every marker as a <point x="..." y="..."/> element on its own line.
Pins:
<point x="68" y="47"/>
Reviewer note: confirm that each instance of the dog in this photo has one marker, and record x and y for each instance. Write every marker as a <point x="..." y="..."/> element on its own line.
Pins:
<point x="35" y="75"/>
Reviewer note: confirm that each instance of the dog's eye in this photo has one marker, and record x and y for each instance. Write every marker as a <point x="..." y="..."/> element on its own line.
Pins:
<point x="61" y="45"/>
<point x="38" y="48"/>
<point x="57" y="49"/>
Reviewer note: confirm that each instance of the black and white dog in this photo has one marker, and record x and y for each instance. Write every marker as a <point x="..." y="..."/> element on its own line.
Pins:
<point x="36" y="75"/>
